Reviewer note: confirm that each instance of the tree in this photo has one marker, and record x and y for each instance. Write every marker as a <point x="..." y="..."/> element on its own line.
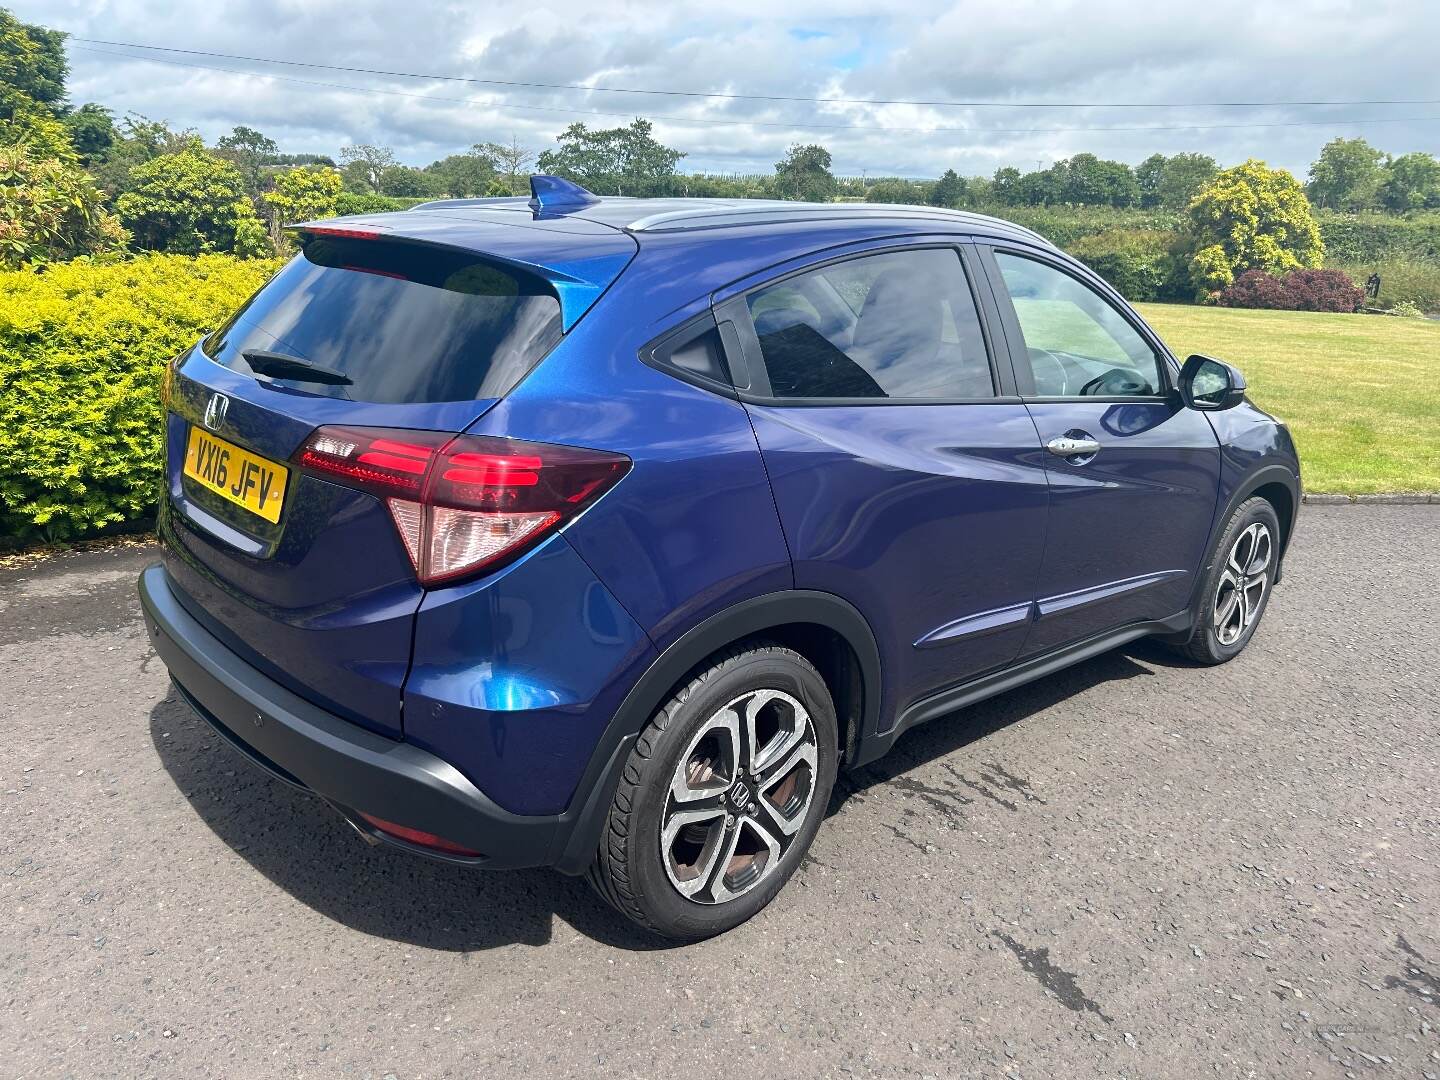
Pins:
<point x="615" y="161"/>
<point x="46" y="136"/>
<point x="904" y="192"/>
<point x="303" y="194"/>
<point x="139" y="140"/>
<point x="949" y="190"/>
<point x="511" y="160"/>
<point x="50" y="210"/>
<point x="192" y="203"/>
<point x="248" y="150"/>
<point x="404" y="181"/>
<point x="1087" y="180"/>
<point x="1043" y="187"/>
<point x="32" y="69"/>
<point x="363" y="165"/>
<point x="1182" y="178"/>
<point x="92" y="131"/>
<point x="1005" y="187"/>
<point x="805" y="174"/>
<point x="299" y="159"/>
<point x="1412" y="182"/>
<point x="1250" y="217"/>
<point x="1148" y="175"/>
<point x="1346" y="176"/>
<point x="464" y="176"/>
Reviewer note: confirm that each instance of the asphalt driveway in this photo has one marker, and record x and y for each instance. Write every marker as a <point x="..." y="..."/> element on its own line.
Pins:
<point x="1137" y="868"/>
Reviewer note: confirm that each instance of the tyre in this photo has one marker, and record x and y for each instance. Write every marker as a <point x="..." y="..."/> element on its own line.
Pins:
<point x="1238" y="576"/>
<point x="721" y="796"/>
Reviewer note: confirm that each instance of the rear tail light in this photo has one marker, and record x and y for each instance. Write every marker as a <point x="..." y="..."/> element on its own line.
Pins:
<point x="463" y="503"/>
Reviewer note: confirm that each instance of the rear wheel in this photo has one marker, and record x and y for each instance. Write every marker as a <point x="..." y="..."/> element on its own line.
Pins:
<point x="1238" y="578"/>
<point x="721" y="796"/>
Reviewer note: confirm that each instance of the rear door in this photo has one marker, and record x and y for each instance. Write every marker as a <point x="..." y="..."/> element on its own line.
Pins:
<point x="1134" y="475"/>
<point x="905" y="470"/>
<point x="307" y="579"/>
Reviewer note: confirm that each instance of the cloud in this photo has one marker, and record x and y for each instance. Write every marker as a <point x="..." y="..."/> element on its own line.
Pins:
<point x="1098" y="51"/>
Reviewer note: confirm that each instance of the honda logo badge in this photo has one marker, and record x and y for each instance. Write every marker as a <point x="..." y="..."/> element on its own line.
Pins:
<point x="215" y="411"/>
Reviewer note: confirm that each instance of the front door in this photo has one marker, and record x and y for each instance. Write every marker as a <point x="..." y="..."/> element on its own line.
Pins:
<point x="1134" y="476"/>
<point x="906" y="479"/>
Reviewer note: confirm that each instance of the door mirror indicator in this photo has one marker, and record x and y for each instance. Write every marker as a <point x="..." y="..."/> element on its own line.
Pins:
<point x="1210" y="384"/>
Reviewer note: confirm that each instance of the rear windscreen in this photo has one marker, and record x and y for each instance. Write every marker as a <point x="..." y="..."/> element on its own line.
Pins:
<point x="402" y="322"/>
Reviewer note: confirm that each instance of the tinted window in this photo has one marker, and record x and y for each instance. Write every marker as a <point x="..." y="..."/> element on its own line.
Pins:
<point x="696" y="351"/>
<point x="403" y="322"/>
<point x="898" y="325"/>
<point x="1077" y="344"/>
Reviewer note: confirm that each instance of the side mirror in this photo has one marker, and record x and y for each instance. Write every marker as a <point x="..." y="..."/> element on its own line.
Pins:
<point x="1207" y="383"/>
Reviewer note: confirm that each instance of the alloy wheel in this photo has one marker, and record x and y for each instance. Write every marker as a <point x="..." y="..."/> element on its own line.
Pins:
<point x="1241" y="589"/>
<point x="738" y="797"/>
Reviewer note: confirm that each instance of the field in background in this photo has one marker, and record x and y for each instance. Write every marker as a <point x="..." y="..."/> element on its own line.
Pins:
<point x="1361" y="393"/>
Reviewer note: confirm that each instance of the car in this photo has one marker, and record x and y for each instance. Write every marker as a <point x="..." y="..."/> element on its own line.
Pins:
<point x="601" y="534"/>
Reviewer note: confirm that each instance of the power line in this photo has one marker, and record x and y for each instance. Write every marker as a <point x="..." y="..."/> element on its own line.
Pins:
<point x="766" y="97"/>
<point x="790" y="125"/>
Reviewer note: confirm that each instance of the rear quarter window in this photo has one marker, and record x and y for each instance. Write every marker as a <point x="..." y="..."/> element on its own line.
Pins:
<point x="403" y="322"/>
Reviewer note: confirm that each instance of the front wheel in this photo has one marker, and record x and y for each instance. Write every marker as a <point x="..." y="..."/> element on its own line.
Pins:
<point x="1238" y="577"/>
<point x="721" y="796"/>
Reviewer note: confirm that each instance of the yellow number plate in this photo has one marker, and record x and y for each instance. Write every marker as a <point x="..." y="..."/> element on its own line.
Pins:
<point x="240" y="476"/>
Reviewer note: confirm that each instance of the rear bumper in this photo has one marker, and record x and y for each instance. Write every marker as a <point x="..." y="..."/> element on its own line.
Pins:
<point x="348" y="766"/>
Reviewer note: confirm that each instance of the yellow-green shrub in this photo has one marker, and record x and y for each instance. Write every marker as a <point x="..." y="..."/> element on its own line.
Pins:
<point x="82" y="350"/>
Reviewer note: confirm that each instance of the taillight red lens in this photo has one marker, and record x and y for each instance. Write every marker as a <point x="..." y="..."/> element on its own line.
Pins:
<point x="418" y="836"/>
<point x="463" y="503"/>
<point x="376" y="460"/>
<point x="368" y="232"/>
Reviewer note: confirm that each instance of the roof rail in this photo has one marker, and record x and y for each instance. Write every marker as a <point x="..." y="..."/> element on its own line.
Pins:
<point x="550" y="196"/>
<point x="498" y="202"/>
<point x="768" y="210"/>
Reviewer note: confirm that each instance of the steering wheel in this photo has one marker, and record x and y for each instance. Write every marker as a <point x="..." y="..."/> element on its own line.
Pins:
<point x="1064" y="377"/>
<point x="1117" y="382"/>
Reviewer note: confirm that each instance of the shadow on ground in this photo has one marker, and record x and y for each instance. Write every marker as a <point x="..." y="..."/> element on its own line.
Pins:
<point x="949" y="734"/>
<point x="305" y="848"/>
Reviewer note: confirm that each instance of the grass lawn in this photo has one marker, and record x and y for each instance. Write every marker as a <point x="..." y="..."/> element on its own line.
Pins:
<point x="1361" y="393"/>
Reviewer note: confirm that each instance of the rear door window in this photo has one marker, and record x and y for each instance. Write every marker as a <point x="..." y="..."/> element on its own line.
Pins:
<point x="402" y="322"/>
<point x="900" y="325"/>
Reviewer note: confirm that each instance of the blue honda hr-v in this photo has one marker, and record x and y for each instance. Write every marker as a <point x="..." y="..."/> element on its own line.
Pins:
<point x="601" y="533"/>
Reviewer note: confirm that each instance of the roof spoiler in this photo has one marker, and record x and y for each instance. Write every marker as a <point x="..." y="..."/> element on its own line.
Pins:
<point x="579" y="273"/>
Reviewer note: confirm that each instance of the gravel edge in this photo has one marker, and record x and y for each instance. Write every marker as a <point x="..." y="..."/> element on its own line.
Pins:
<point x="1410" y="499"/>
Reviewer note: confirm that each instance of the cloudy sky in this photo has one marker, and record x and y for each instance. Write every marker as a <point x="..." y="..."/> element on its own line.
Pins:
<point x="1098" y="54"/>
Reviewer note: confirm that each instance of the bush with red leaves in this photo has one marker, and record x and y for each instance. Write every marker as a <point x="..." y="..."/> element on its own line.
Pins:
<point x="1299" y="290"/>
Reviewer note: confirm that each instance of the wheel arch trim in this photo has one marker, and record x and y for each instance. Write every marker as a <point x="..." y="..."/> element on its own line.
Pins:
<point x="575" y="847"/>
<point x="1264" y="476"/>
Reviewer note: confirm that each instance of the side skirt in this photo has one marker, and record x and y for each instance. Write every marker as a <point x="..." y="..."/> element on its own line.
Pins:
<point x="1036" y="667"/>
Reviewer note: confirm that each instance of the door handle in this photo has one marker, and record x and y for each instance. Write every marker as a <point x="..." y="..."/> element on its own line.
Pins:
<point x="1073" y="444"/>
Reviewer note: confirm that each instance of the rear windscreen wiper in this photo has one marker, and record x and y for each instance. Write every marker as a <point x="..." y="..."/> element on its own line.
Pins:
<point x="280" y="366"/>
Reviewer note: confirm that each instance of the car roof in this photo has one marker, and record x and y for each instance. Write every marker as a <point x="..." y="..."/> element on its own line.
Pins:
<point x="581" y="242"/>
<point x="641" y="216"/>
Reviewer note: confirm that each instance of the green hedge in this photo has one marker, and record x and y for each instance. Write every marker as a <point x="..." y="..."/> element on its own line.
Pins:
<point x="1403" y="280"/>
<point x="82" y="350"/>
<point x="1349" y="238"/>
<point x="1064" y="225"/>
<point x="1142" y="264"/>
<point x="1373" y="237"/>
<point x="1127" y="247"/>
<point x="355" y="202"/>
